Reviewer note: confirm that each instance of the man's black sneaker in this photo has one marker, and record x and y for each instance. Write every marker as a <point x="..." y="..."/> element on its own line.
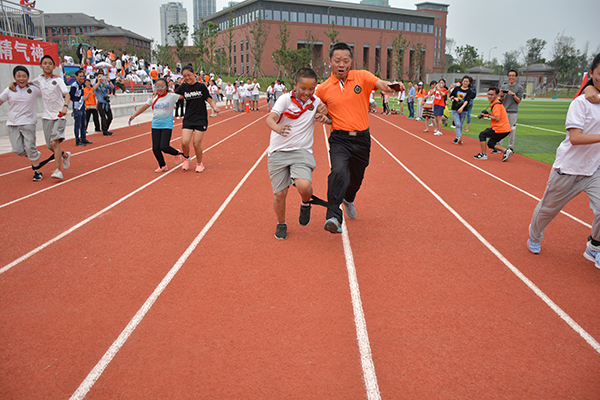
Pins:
<point x="37" y="176"/>
<point x="496" y="152"/>
<point x="281" y="232"/>
<point x="304" y="215"/>
<point x="86" y="142"/>
<point x="80" y="144"/>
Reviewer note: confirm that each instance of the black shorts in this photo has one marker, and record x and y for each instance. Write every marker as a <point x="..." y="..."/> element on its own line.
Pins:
<point x="195" y="127"/>
<point x="494" y="137"/>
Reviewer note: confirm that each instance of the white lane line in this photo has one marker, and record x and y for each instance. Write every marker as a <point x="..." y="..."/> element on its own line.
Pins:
<point x="542" y="129"/>
<point x="362" y="336"/>
<point x="485" y="172"/>
<point x="565" y="317"/>
<point x="93" y="376"/>
<point x="82" y="223"/>
<point x="92" y="171"/>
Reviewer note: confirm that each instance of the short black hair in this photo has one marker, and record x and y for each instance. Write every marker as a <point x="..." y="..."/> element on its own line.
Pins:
<point x="340" y="46"/>
<point x="78" y="72"/>
<point x="305" y="73"/>
<point x="495" y="89"/>
<point x="21" y="69"/>
<point x="512" y="70"/>
<point x="187" y="68"/>
<point x="47" y="56"/>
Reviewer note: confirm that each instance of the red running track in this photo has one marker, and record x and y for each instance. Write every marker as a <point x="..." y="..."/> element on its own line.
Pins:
<point x="122" y="283"/>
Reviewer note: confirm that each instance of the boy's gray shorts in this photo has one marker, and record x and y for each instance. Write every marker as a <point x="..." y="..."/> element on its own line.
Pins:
<point x="54" y="129"/>
<point x="284" y="166"/>
<point x="23" y="141"/>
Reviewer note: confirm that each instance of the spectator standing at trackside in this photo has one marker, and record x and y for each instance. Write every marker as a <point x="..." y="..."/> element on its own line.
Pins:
<point x="346" y="95"/>
<point x="213" y="89"/>
<point x="278" y="89"/>
<point x="102" y="88"/>
<point x="511" y="94"/>
<point x="428" y="116"/>
<point x="255" y="95"/>
<point x="270" y="96"/>
<point x="229" y="89"/>
<point x="461" y="97"/>
<point x="469" y="109"/>
<point x="90" y="105"/>
<point x="420" y="94"/>
<point x="385" y="99"/>
<point x="243" y="93"/>
<point x="154" y="76"/>
<point x="78" y="97"/>
<point x="112" y="76"/>
<point x="439" y="104"/>
<point x="179" y="104"/>
<point x="401" y="97"/>
<point x="500" y="128"/>
<point x="575" y="169"/>
<point x="236" y="97"/>
<point x="410" y="101"/>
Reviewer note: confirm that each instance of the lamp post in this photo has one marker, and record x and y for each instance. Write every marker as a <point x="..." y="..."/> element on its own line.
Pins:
<point x="490" y="54"/>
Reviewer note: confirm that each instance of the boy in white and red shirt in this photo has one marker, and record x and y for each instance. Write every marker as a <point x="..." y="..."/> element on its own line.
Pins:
<point x="290" y="156"/>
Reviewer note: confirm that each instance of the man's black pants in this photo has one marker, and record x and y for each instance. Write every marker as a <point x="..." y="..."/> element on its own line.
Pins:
<point x="105" y="116"/>
<point x="349" y="159"/>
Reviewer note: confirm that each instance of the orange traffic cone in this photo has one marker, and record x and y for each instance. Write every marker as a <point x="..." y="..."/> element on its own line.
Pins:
<point x="247" y="105"/>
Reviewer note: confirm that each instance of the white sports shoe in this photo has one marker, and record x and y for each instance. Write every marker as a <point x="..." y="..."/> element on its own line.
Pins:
<point x="67" y="160"/>
<point x="57" y="174"/>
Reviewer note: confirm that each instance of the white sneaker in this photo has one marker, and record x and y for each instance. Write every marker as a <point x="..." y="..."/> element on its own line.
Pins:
<point x="67" y="160"/>
<point x="437" y="133"/>
<point x="57" y="174"/>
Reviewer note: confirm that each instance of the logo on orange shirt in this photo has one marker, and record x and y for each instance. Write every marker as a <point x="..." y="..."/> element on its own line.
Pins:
<point x="357" y="89"/>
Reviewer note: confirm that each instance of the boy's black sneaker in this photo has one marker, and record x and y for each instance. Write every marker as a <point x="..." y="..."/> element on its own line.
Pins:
<point x="304" y="215"/>
<point x="281" y="232"/>
<point x="37" y="176"/>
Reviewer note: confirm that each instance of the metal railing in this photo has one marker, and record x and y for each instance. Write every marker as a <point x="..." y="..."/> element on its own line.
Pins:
<point x="21" y="21"/>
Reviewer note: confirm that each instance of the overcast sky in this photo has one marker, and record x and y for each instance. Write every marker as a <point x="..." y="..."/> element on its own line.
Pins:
<point x="493" y="27"/>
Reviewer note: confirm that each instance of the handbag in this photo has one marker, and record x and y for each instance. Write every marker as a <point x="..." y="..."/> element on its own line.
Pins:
<point x="428" y="105"/>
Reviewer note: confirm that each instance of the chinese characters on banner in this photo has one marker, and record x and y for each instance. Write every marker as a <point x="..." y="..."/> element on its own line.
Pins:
<point x="15" y="50"/>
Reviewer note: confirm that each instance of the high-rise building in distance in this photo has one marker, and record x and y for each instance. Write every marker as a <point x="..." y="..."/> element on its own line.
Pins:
<point x="202" y="9"/>
<point x="171" y="13"/>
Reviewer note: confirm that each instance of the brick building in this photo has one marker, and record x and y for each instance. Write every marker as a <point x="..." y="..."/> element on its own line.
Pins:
<point x="370" y="30"/>
<point x="60" y="28"/>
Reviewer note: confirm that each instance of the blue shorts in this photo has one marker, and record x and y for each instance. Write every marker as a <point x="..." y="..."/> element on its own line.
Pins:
<point x="438" y="110"/>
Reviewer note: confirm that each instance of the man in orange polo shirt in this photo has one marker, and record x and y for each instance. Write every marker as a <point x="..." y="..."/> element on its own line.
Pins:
<point x="346" y="94"/>
<point x="500" y="127"/>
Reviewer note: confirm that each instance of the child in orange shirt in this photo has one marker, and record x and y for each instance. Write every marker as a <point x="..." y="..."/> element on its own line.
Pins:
<point x="500" y="127"/>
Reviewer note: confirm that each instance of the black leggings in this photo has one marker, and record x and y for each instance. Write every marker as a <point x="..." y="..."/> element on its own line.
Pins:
<point x="161" y="143"/>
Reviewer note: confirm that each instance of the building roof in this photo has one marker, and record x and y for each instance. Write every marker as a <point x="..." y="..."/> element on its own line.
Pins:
<point x="81" y="19"/>
<point x="326" y="3"/>
<point x="537" y="68"/>
<point x="480" y="70"/>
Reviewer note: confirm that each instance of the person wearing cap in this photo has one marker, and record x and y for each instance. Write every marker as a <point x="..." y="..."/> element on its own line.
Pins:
<point x="346" y="94"/>
<point x="419" y="95"/>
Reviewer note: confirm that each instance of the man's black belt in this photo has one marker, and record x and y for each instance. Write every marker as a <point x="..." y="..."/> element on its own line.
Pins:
<point x="352" y="133"/>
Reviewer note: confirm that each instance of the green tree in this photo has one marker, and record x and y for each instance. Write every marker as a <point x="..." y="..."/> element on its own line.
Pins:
<point x="418" y="57"/>
<point x="212" y="32"/>
<point x="398" y="50"/>
<point x="288" y="59"/>
<point x="260" y="32"/>
<point x="331" y="33"/>
<point x="511" y="61"/>
<point x="199" y="40"/>
<point x="567" y="60"/>
<point x="467" y="57"/>
<point x="230" y="40"/>
<point x="179" y="32"/>
<point x="533" y="51"/>
<point x="162" y="54"/>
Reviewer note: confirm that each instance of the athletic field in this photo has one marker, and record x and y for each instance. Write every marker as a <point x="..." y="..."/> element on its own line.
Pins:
<point x="121" y="283"/>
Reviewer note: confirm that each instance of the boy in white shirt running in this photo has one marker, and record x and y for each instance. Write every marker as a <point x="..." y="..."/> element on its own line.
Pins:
<point x="290" y="156"/>
<point x="576" y="170"/>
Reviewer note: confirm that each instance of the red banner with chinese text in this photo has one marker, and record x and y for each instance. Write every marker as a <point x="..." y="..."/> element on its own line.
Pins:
<point x="16" y="50"/>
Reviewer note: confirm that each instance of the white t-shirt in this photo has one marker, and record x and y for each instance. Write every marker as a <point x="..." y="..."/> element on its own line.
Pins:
<point x="278" y="88"/>
<point x="53" y="90"/>
<point x="229" y="89"/>
<point x="302" y="133"/>
<point x="256" y="88"/>
<point x="242" y="90"/>
<point x="22" y="105"/>
<point x="162" y="117"/>
<point x="236" y="93"/>
<point x="583" y="159"/>
<point x="270" y="90"/>
<point x="112" y="73"/>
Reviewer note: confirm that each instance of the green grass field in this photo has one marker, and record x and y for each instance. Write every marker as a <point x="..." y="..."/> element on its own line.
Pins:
<point x="530" y="141"/>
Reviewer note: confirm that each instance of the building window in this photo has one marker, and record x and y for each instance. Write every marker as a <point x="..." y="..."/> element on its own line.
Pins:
<point x="413" y="27"/>
<point x="381" y="24"/>
<point x="294" y="16"/>
<point x="368" y="23"/>
<point x="268" y="14"/>
<point x="361" y="22"/>
<point x="340" y="20"/>
<point x="301" y="17"/>
<point x="53" y="31"/>
<point x="277" y="15"/>
<point x="419" y="28"/>
<point x="354" y="21"/>
<point x="309" y="18"/>
<point x="285" y="15"/>
<point x="347" y="21"/>
<point x="317" y="18"/>
<point x="388" y="25"/>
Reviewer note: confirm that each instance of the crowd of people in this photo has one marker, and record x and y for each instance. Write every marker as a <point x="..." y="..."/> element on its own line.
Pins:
<point x="343" y="101"/>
